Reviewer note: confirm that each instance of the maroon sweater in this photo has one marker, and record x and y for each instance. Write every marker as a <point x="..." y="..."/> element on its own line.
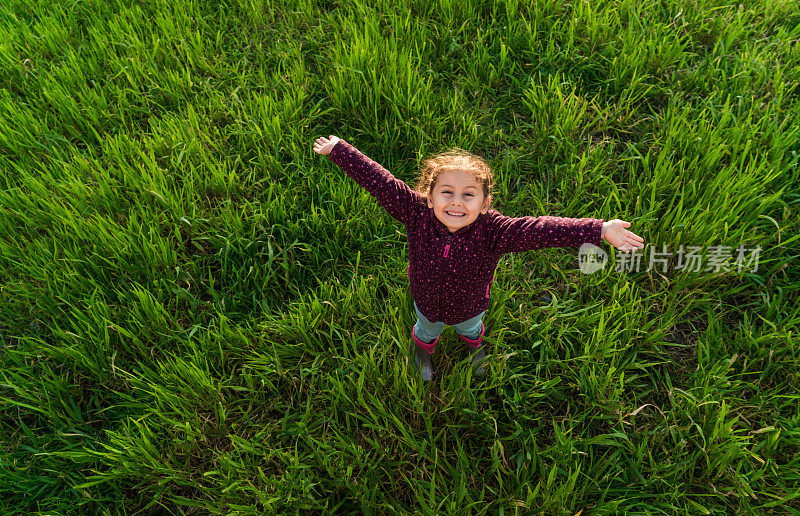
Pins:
<point x="451" y="273"/>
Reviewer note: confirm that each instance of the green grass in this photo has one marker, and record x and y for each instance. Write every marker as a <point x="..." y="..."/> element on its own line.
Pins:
<point x="199" y="315"/>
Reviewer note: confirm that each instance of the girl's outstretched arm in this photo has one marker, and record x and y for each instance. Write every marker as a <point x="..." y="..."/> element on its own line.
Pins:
<point x="513" y="235"/>
<point x="518" y="234"/>
<point x="394" y="195"/>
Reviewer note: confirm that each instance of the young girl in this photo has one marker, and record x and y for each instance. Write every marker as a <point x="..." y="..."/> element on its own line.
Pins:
<point x="455" y="241"/>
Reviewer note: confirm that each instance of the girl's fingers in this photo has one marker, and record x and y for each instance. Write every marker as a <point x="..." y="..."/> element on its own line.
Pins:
<point x="634" y="236"/>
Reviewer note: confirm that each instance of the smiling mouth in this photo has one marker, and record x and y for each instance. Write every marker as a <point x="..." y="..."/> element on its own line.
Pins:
<point x="453" y="214"/>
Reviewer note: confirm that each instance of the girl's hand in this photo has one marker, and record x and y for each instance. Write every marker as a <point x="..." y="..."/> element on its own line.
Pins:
<point x="615" y="234"/>
<point x="324" y="145"/>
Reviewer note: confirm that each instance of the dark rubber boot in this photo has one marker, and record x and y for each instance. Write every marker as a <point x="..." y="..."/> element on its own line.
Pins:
<point x="422" y="355"/>
<point x="479" y="361"/>
<point x="422" y="363"/>
<point x="477" y="352"/>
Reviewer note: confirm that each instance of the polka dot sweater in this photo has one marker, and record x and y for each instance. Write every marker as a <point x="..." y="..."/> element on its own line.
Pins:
<point x="451" y="274"/>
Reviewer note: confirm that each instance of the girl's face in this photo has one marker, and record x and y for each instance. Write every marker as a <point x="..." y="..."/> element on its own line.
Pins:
<point x="457" y="199"/>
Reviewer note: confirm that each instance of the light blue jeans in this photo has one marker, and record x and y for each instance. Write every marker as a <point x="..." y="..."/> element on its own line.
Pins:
<point x="427" y="331"/>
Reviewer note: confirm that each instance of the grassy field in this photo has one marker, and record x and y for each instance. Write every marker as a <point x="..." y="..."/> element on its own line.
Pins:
<point x="199" y="315"/>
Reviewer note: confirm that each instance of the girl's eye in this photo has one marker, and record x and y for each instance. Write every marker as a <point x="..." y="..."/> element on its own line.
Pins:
<point x="448" y="191"/>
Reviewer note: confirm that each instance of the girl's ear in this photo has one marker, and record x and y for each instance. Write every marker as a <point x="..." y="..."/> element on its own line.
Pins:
<point x="486" y="203"/>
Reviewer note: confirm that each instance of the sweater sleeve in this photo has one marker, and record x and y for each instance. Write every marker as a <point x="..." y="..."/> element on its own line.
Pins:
<point x="394" y="195"/>
<point x="515" y="235"/>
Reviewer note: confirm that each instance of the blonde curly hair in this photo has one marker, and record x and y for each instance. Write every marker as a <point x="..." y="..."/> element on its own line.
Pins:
<point x="454" y="159"/>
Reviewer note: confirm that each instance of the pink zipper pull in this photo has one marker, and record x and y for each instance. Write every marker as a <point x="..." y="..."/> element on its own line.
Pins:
<point x="446" y="250"/>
